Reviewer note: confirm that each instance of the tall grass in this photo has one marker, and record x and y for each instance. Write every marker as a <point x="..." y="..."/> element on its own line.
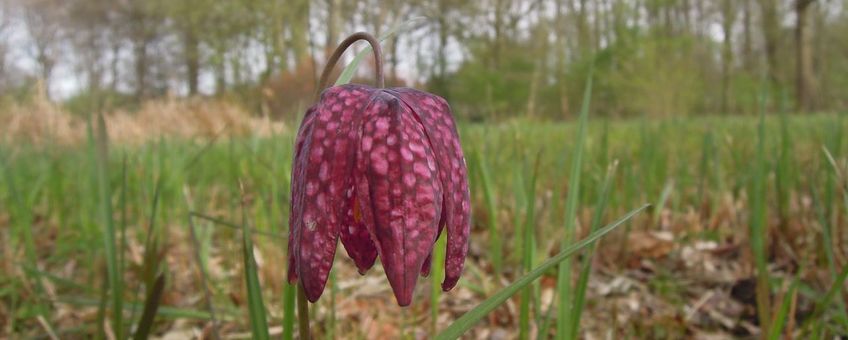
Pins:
<point x="100" y="154"/>
<point x="758" y="225"/>
<point x="255" y="304"/>
<point x="527" y="248"/>
<point x="54" y="192"/>
<point x="586" y="265"/>
<point x="490" y="198"/>
<point x="564" y="288"/>
<point x="469" y="319"/>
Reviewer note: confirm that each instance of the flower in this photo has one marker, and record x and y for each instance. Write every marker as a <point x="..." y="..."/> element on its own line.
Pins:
<point x="383" y="170"/>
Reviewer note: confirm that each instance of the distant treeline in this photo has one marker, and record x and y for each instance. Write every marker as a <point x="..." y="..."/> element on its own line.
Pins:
<point x="490" y="58"/>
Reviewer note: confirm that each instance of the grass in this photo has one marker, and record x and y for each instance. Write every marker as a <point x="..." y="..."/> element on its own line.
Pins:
<point x="564" y="282"/>
<point x="469" y="319"/>
<point x="527" y="249"/>
<point x="758" y="227"/>
<point x="74" y="212"/>
<point x="98" y="140"/>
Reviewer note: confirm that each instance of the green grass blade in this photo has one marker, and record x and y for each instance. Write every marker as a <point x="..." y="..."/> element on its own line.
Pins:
<point x="833" y="292"/>
<point x="331" y="319"/>
<point x="122" y="240"/>
<point x="757" y="222"/>
<point x="783" y="168"/>
<point x="564" y="277"/>
<point x="469" y="319"/>
<point x="520" y="204"/>
<point x="289" y="296"/>
<point x="115" y="277"/>
<point x="66" y="283"/>
<point x="256" y="307"/>
<point x="545" y="324"/>
<point x="586" y="266"/>
<point x="235" y="226"/>
<point x="437" y="273"/>
<point x="102" y="305"/>
<point x="151" y="305"/>
<point x="21" y="214"/>
<point x="495" y="243"/>
<point x="164" y="311"/>
<point x="201" y="264"/>
<point x="827" y="233"/>
<point x="783" y="311"/>
<point x="528" y="250"/>
<point x="666" y="192"/>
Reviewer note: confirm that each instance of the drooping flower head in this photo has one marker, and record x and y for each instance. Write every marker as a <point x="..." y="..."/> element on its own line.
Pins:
<point x="383" y="170"/>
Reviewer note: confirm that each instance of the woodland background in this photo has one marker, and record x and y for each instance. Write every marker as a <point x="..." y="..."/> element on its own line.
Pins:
<point x="145" y="143"/>
<point x="492" y="59"/>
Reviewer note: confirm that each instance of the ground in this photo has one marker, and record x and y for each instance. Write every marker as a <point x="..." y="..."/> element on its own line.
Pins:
<point x="683" y="268"/>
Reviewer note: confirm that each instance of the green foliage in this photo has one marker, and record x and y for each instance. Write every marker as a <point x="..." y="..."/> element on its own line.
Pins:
<point x="56" y="183"/>
<point x="469" y="319"/>
<point x="255" y="304"/>
<point x="564" y="284"/>
<point x="656" y="76"/>
<point x="478" y="92"/>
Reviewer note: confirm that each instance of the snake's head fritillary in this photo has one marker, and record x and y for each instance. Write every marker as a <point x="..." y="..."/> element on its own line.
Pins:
<point x="384" y="170"/>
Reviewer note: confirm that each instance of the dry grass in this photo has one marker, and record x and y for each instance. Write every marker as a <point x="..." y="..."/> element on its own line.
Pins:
<point x="39" y="122"/>
<point x="43" y="122"/>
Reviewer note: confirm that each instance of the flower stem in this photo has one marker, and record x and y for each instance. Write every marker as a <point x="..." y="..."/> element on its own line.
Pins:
<point x="302" y="313"/>
<point x="331" y="63"/>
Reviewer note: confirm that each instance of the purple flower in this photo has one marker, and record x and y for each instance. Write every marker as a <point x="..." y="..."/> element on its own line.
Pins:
<point x="384" y="170"/>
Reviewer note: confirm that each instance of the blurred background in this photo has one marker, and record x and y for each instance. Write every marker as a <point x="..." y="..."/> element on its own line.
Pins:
<point x="491" y="59"/>
<point x="142" y="140"/>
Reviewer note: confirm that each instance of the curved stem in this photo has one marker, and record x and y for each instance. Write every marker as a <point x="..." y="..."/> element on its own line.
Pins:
<point x="331" y="63"/>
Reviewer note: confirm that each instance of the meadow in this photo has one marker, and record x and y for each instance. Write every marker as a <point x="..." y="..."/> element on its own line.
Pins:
<point x="90" y="229"/>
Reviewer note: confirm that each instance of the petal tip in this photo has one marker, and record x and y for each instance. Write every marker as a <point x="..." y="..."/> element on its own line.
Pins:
<point x="449" y="284"/>
<point x="404" y="300"/>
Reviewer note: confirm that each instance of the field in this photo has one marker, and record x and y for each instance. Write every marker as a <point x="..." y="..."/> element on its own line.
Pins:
<point x="165" y="218"/>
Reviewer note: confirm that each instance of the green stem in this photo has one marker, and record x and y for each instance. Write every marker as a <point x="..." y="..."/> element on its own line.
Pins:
<point x="303" y="313"/>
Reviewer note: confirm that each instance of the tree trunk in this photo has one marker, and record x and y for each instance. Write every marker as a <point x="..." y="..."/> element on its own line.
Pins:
<point x="220" y="66"/>
<point x="192" y="60"/>
<point x="561" y="53"/>
<point x="771" y="35"/>
<point x="333" y="19"/>
<point x="578" y="7"/>
<point x="441" y="64"/>
<point x="114" y="70"/>
<point x="141" y="38"/>
<point x="804" y="80"/>
<point x="728" y="17"/>
<point x="498" y="28"/>
<point x="299" y="31"/>
<point x="140" y="51"/>
<point x="747" y="44"/>
<point x="393" y="55"/>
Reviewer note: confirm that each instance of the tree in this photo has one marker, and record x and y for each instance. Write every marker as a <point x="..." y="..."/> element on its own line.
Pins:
<point x="91" y="22"/>
<point x="804" y="79"/>
<point x="188" y="18"/>
<point x="4" y="48"/>
<point x="771" y="36"/>
<point x="41" y="18"/>
<point x="142" y="19"/>
<point x="728" y="13"/>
